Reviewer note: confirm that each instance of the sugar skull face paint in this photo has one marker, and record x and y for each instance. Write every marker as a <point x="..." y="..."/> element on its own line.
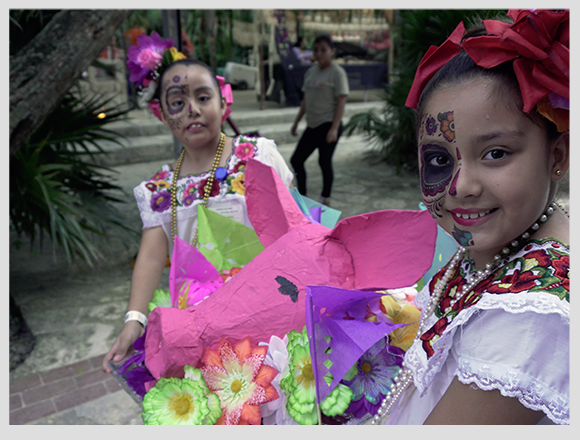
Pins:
<point x="436" y="170"/>
<point x="192" y="106"/>
<point x="485" y="172"/>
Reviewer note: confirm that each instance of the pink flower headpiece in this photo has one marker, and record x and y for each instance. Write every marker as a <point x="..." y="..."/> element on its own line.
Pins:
<point x="538" y="42"/>
<point x="146" y="62"/>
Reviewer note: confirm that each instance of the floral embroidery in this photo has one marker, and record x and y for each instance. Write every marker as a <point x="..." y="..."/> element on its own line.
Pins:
<point x="541" y="266"/>
<point x="215" y="188"/>
<point x="447" y="125"/>
<point x="161" y="201"/>
<point x="190" y="188"/>
<point x="245" y="150"/>
<point x="238" y="185"/>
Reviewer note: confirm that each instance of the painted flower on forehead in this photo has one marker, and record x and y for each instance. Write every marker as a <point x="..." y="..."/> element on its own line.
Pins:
<point x="447" y="125"/>
<point x="430" y="125"/>
<point x="238" y="375"/>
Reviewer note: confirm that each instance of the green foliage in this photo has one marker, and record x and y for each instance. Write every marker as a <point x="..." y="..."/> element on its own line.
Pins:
<point x="56" y="188"/>
<point x="392" y="130"/>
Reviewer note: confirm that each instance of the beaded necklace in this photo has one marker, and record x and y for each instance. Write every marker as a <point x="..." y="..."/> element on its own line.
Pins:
<point x="206" y="189"/>
<point x="405" y="377"/>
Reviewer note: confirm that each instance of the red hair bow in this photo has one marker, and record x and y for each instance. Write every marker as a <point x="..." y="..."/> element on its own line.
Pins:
<point x="432" y="61"/>
<point x="538" y="42"/>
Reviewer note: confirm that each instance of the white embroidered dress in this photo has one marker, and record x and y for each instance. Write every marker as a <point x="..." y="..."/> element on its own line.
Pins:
<point x="227" y="197"/>
<point x="515" y="341"/>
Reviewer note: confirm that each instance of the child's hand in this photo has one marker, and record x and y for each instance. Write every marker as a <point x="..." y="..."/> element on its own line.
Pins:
<point x="332" y="135"/>
<point x="131" y="331"/>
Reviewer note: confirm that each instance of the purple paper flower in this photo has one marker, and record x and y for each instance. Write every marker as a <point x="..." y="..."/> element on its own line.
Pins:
<point x="144" y="57"/>
<point x="161" y="201"/>
<point x="373" y="377"/>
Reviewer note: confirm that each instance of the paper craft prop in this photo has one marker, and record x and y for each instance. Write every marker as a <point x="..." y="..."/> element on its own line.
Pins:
<point x="385" y="249"/>
<point x="224" y="242"/>
<point x="338" y="332"/>
<point x="316" y="212"/>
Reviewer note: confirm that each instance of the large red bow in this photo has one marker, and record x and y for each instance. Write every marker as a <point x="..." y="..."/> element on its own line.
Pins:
<point x="538" y="42"/>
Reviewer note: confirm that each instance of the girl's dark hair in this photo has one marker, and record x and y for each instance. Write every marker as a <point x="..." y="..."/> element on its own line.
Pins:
<point x="187" y="62"/>
<point x="298" y="42"/>
<point x="324" y="38"/>
<point x="462" y="67"/>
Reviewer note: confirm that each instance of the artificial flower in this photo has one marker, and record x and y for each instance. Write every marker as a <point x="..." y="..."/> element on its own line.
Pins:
<point x="371" y="377"/>
<point x="175" y="54"/>
<point x="155" y="108"/>
<point x="161" y="298"/>
<point x="149" y="59"/>
<point x="238" y="375"/>
<point x="408" y="314"/>
<point x="186" y="401"/>
<point x="300" y="387"/>
<point x="275" y="412"/>
<point x="138" y="64"/>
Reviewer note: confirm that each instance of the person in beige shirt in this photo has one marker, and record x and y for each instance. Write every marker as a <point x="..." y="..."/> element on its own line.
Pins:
<point x="325" y="91"/>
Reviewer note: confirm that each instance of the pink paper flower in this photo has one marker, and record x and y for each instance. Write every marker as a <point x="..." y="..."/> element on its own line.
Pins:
<point x="238" y="375"/>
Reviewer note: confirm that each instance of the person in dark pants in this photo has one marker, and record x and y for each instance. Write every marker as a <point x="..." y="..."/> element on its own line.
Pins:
<point x="325" y="91"/>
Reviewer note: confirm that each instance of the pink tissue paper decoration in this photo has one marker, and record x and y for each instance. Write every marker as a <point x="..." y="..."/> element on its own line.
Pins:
<point x="191" y="272"/>
<point x="268" y="296"/>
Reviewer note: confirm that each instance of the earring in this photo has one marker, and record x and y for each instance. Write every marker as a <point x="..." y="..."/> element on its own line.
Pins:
<point x="558" y="173"/>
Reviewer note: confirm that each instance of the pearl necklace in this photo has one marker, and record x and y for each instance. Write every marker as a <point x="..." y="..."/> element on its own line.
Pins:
<point x="405" y="377"/>
<point x="206" y="189"/>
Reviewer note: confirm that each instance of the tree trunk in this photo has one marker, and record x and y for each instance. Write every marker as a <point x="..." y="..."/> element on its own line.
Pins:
<point x="45" y="69"/>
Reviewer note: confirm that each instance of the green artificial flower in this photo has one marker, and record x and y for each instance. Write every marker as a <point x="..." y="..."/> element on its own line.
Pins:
<point x="300" y="387"/>
<point x="186" y="401"/>
<point x="161" y="298"/>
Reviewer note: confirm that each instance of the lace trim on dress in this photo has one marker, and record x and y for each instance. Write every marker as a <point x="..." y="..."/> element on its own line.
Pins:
<point x="425" y="369"/>
<point x="529" y="392"/>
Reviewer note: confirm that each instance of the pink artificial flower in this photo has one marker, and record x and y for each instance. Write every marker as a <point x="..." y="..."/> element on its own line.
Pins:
<point x="149" y="59"/>
<point x="241" y="379"/>
<point x="155" y="108"/>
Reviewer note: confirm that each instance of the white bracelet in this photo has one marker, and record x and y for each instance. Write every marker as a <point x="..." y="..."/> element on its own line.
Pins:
<point x="134" y="315"/>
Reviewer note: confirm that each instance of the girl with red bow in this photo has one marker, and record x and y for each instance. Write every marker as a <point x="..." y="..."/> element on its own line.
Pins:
<point x="493" y="143"/>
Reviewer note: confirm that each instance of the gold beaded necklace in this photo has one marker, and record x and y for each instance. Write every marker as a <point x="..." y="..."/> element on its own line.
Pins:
<point x="206" y="189"/>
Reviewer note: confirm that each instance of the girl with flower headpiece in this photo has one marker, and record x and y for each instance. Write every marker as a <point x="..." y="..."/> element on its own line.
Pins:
<point x="193" y="103"/>
<point x="493" y="144"/>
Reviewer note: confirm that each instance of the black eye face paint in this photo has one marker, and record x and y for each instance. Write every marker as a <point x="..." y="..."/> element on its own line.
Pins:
<point x="436" y="171"/>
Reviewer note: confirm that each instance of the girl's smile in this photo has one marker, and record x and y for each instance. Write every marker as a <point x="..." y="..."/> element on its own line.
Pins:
<point x="484" y="166"/>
